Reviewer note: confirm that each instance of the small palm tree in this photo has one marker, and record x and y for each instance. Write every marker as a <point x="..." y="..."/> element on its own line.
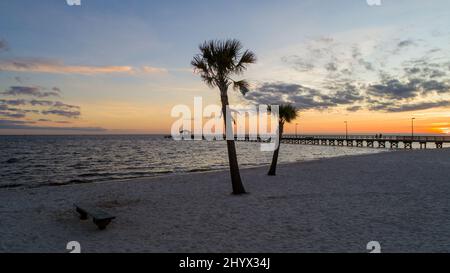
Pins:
<point x="218" y="61"/>
<point x="287" y="113"/>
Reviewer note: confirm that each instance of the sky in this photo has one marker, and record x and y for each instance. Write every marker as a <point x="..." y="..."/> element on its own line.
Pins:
<point x="119" y="67"/>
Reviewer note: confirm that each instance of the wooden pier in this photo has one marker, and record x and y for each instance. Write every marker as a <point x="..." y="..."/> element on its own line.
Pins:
<point x="392" y="142"/>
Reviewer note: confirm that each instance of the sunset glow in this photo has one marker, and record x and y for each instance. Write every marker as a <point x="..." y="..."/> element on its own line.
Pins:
<point x="116" y="70"/>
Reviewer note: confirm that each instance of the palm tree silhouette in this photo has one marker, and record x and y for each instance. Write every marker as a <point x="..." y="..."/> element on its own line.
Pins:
<point x="217" y="62"/>
<point x="287" y="113"/>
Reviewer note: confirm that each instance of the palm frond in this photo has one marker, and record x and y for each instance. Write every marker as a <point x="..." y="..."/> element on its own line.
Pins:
<point x="288" y="112"/>
<point x="199" y="64"/>
<point x="219" y="59"/>
<point x="243" y="86"/>
<point x="247" y="58"/>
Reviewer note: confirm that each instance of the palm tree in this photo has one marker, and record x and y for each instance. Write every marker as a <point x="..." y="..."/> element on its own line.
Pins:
<point x="287" y="113"/>
<point x="218" y="61"/>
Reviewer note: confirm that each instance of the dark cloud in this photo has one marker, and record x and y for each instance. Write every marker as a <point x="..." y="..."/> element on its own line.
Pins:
<point x="391" y="96"/>
<point x="41" y="103"/>
<point x="5" y="122"/>
<point x="426" y="71"/>
<point x="436" y="86"/>
<point x="405" y="43"/>
<point x="12" y="114"/>
<point x="34" y="102"/>
<point x="358" y="81"/>
<point x="394" y="89"/>
<point x="412" y="71"/>
<point x="57" y="108"/>
<point x="59" y="104"/>
<point x="433" y="73"/>
<point x="13" y="102"/>
<point x="9" y="107"/>
<point x="405" y="107"/>
<point x="58" y="121"/>
<point x="344" y="93"/>
<point x="18" y="124"/>
<point x="29" y="91"/>
<point x="354" y="108"/>
<point x="63" y="113"/>
<point x="409" y="89"/>
<point x="331" y="67"/>
<point x="302" y="97"/>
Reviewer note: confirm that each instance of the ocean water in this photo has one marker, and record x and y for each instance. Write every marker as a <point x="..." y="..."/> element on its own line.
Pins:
<point x="33" y="161"/>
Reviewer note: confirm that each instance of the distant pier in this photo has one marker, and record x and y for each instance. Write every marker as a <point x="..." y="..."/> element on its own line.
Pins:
<point x="389" y="141"/>
<point x="393" y="142"/>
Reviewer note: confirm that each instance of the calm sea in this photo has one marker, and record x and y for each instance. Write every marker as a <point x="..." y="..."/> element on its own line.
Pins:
<point x="33" y="161"/>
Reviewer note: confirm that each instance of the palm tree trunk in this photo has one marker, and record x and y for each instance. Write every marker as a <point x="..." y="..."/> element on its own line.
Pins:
<point x="273" y="166"/>
<point x="236" y="181"/>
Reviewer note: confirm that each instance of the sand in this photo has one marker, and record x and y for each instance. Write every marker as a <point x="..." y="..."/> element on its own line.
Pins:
<point x="400" y="199"/>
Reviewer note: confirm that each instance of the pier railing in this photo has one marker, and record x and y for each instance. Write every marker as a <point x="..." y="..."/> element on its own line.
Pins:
<point x="370" y="141"/>
<point x="367" y="140"/>
<point x="372" y="137"/>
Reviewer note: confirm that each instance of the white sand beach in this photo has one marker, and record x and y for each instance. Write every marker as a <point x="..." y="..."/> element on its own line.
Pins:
<point x="401" y="199"/>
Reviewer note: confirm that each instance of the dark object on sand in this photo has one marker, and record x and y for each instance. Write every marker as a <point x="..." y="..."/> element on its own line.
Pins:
<point x="99" y="217"/>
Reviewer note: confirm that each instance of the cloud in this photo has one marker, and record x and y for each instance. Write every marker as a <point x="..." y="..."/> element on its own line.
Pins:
<point x="394" y="89"/>
<point x="412" y="88"/>
<point x="30" y="91"/>
<point x="298" y="63"/>
<point x="331" y="67"/>
<point x="303" y="97"/>
<point x="12" y="114"/>
<point x="405" y="43"/>
<point x="59" y="104"/>
<point x="57" y="108"/>
<point x="55" y="104"/>
<point x="404" y="107"/>
<point x="154" y="70"/>
<point x="18" y="124"/>
<point x="13" y="102"/>
<point x="423" y="68"/>
<point x="8" y="109"/>
<point x="436" y="86"/>
<point x="354" y="108"/>
<point x="62" y="113"/>
<point x="40" y="66"/>
<point x="41" y="103"/>
<point x="367" y="65"/>
<point x="56" y="67"/>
